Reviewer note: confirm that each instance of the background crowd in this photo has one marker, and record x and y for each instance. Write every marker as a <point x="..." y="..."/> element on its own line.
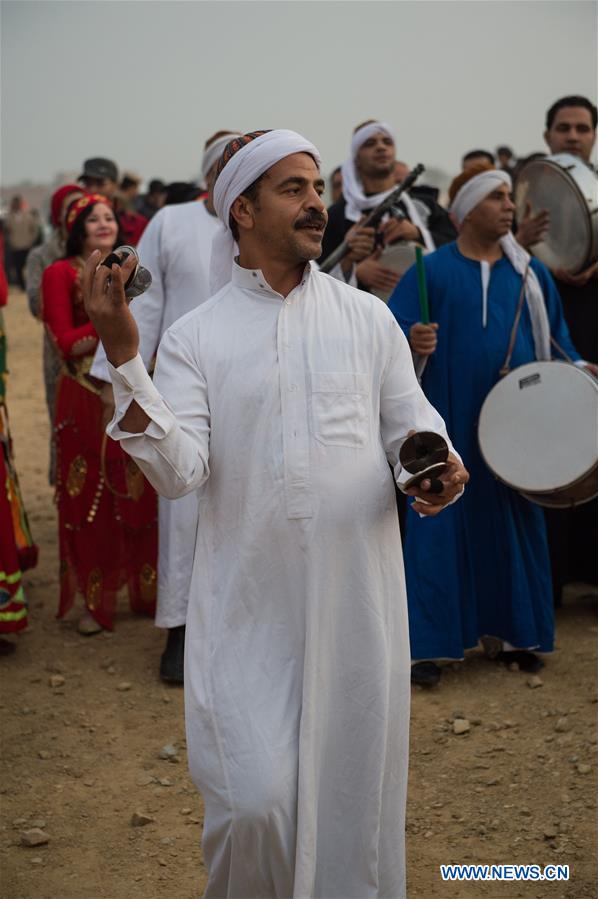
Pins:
<point x="108" y="516"/>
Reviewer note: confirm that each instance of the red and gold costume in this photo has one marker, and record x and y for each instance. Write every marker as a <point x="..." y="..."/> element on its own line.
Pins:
<point x="107" y="511"/>
<point x="17" y="549"/>
<point x="132" y="226"/>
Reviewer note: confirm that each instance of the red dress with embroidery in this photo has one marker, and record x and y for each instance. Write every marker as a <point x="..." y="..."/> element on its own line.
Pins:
<point x="107" y="510"/>
<point x="18" y="552"/>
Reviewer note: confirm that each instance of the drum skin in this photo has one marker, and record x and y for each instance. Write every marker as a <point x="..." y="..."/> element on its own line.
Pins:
<point x="568" y="188"/>
<point x="399" y="257"/>
<point x="538" y="433"/>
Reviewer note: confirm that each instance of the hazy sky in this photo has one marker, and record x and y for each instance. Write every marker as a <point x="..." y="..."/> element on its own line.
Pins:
<point x="145" y="82"/>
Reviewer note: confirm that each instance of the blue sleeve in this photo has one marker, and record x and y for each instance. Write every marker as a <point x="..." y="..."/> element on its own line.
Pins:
<point x="554" y="307"/>
<point x="404" y="301"/>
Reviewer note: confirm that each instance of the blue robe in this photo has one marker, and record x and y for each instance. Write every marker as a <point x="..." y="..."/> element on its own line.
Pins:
<point x="482" y="565"/>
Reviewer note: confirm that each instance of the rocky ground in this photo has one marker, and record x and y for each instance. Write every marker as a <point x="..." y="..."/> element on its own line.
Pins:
<point x="96" y="801"/>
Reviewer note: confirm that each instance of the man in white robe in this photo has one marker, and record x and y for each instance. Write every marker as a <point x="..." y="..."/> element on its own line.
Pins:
<point x="176" y="248"/>
<point x="282" y="398"/>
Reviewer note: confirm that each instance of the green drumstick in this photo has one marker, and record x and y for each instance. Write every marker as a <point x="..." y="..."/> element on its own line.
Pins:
<point x="421" y="283"/>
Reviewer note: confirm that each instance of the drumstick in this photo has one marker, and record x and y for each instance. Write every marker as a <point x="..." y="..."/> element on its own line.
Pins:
<point x="421" y="283"/>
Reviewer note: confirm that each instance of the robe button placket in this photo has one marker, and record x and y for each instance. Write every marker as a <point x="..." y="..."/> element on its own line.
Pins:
<point x="295" y="445"/>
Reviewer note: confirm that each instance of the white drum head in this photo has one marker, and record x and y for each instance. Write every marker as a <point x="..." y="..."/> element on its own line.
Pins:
<point x="398" y="257"/>
<point x="569" y="191"/>
<point x="538" y="427"/>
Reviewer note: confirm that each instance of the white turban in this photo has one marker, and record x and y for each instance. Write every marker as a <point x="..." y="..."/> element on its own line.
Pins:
<point x="213" y="153"/>
<point x="467" y="198"/>
<point x="357" y="201"/>
<point x="241" y="170"/>
<point x="477" y="189"/>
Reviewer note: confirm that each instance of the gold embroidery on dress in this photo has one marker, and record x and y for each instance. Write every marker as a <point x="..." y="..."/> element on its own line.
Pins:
<point x="135" y="480"/>
<point x="148" y="583"/>
<point x="94" y="588"/>
<point x="84" y="346"/>
<point x="78" y="368"/>
<point x="76" y="477"/>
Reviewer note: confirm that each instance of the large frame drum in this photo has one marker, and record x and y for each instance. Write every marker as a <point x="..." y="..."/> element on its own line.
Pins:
<point x="399" y="257"/>
<point x="538" y="433"/>
<point x="568" y="189"/>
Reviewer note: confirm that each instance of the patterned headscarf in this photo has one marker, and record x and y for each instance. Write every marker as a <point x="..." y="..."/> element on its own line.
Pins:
<point x="236" y="144"/>
<point x="244" y="160"/>
<point x="80" y="205"/>
<point x="58" y="199"/>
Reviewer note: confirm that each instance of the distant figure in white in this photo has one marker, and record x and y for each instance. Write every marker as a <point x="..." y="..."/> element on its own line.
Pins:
<point x="175" y="247"/>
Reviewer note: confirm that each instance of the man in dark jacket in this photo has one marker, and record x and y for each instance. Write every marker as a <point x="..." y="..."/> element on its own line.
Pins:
<point x="368" y="178"/>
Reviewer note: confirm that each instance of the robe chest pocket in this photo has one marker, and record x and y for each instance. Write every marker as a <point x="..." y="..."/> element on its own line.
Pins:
<point x="340" y="405"/>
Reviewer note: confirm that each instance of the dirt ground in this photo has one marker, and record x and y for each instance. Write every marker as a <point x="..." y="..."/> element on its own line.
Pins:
<point x="81" y="757"/>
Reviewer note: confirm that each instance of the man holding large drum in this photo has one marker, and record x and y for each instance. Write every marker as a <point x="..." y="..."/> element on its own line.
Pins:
<point x="482" y="570"/>
<point x="569" y="230"/>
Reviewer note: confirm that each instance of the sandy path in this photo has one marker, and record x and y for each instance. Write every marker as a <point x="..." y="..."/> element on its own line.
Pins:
<point x="83" y="757"/>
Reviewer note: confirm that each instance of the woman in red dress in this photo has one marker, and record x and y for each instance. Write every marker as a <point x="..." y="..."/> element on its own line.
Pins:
<point x="18" y="552"/>
<point x="107" y="511"/>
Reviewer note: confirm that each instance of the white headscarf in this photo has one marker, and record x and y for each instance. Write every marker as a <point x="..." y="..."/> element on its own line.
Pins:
<point x="214" y="152"/>
<point x="467" y="198"/>
<point x="357" y="201"/>
<point x="242" y="169"/>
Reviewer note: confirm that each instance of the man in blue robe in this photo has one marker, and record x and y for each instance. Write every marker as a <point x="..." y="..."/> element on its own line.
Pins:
<point x="482" y="569"/>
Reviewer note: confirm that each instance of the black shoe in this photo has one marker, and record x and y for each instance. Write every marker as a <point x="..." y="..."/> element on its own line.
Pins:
<point x="527" y="661"/>
<point x="426" y="674"/>
<point x="6" y="647"/>
<point x="171" y="663"/>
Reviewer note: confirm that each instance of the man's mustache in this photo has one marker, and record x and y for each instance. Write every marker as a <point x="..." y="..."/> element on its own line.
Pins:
<point x="311" y="220"/>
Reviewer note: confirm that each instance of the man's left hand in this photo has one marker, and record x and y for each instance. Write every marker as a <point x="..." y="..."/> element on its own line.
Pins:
<point x="579" y="280"/>
<point x="454" y="479"/>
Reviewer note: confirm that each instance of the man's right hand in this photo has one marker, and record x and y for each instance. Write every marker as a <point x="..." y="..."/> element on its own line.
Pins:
<point x="423" y="338"/>
<point x="361" y="241"/>
<point x="372" y="273"/>
<point x="108" y="308"/>
<point x="579" y="280"/>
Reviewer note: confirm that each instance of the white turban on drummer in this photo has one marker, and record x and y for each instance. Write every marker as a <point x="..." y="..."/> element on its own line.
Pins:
<point x="254" y="157"/>
<point x="357" y="202"/>
<point x="465" y="200"/>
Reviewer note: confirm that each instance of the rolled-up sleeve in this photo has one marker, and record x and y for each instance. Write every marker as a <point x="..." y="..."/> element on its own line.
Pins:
<point x="173" y="451"/>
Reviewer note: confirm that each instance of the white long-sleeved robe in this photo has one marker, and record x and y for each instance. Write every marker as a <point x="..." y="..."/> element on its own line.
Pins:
<point x="175" y="247"/>
<point x="285" y="412"/>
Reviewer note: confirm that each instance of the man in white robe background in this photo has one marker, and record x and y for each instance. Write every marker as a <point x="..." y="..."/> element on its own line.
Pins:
<point x="176" y="248"/>
<point x="282" y="398"/>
